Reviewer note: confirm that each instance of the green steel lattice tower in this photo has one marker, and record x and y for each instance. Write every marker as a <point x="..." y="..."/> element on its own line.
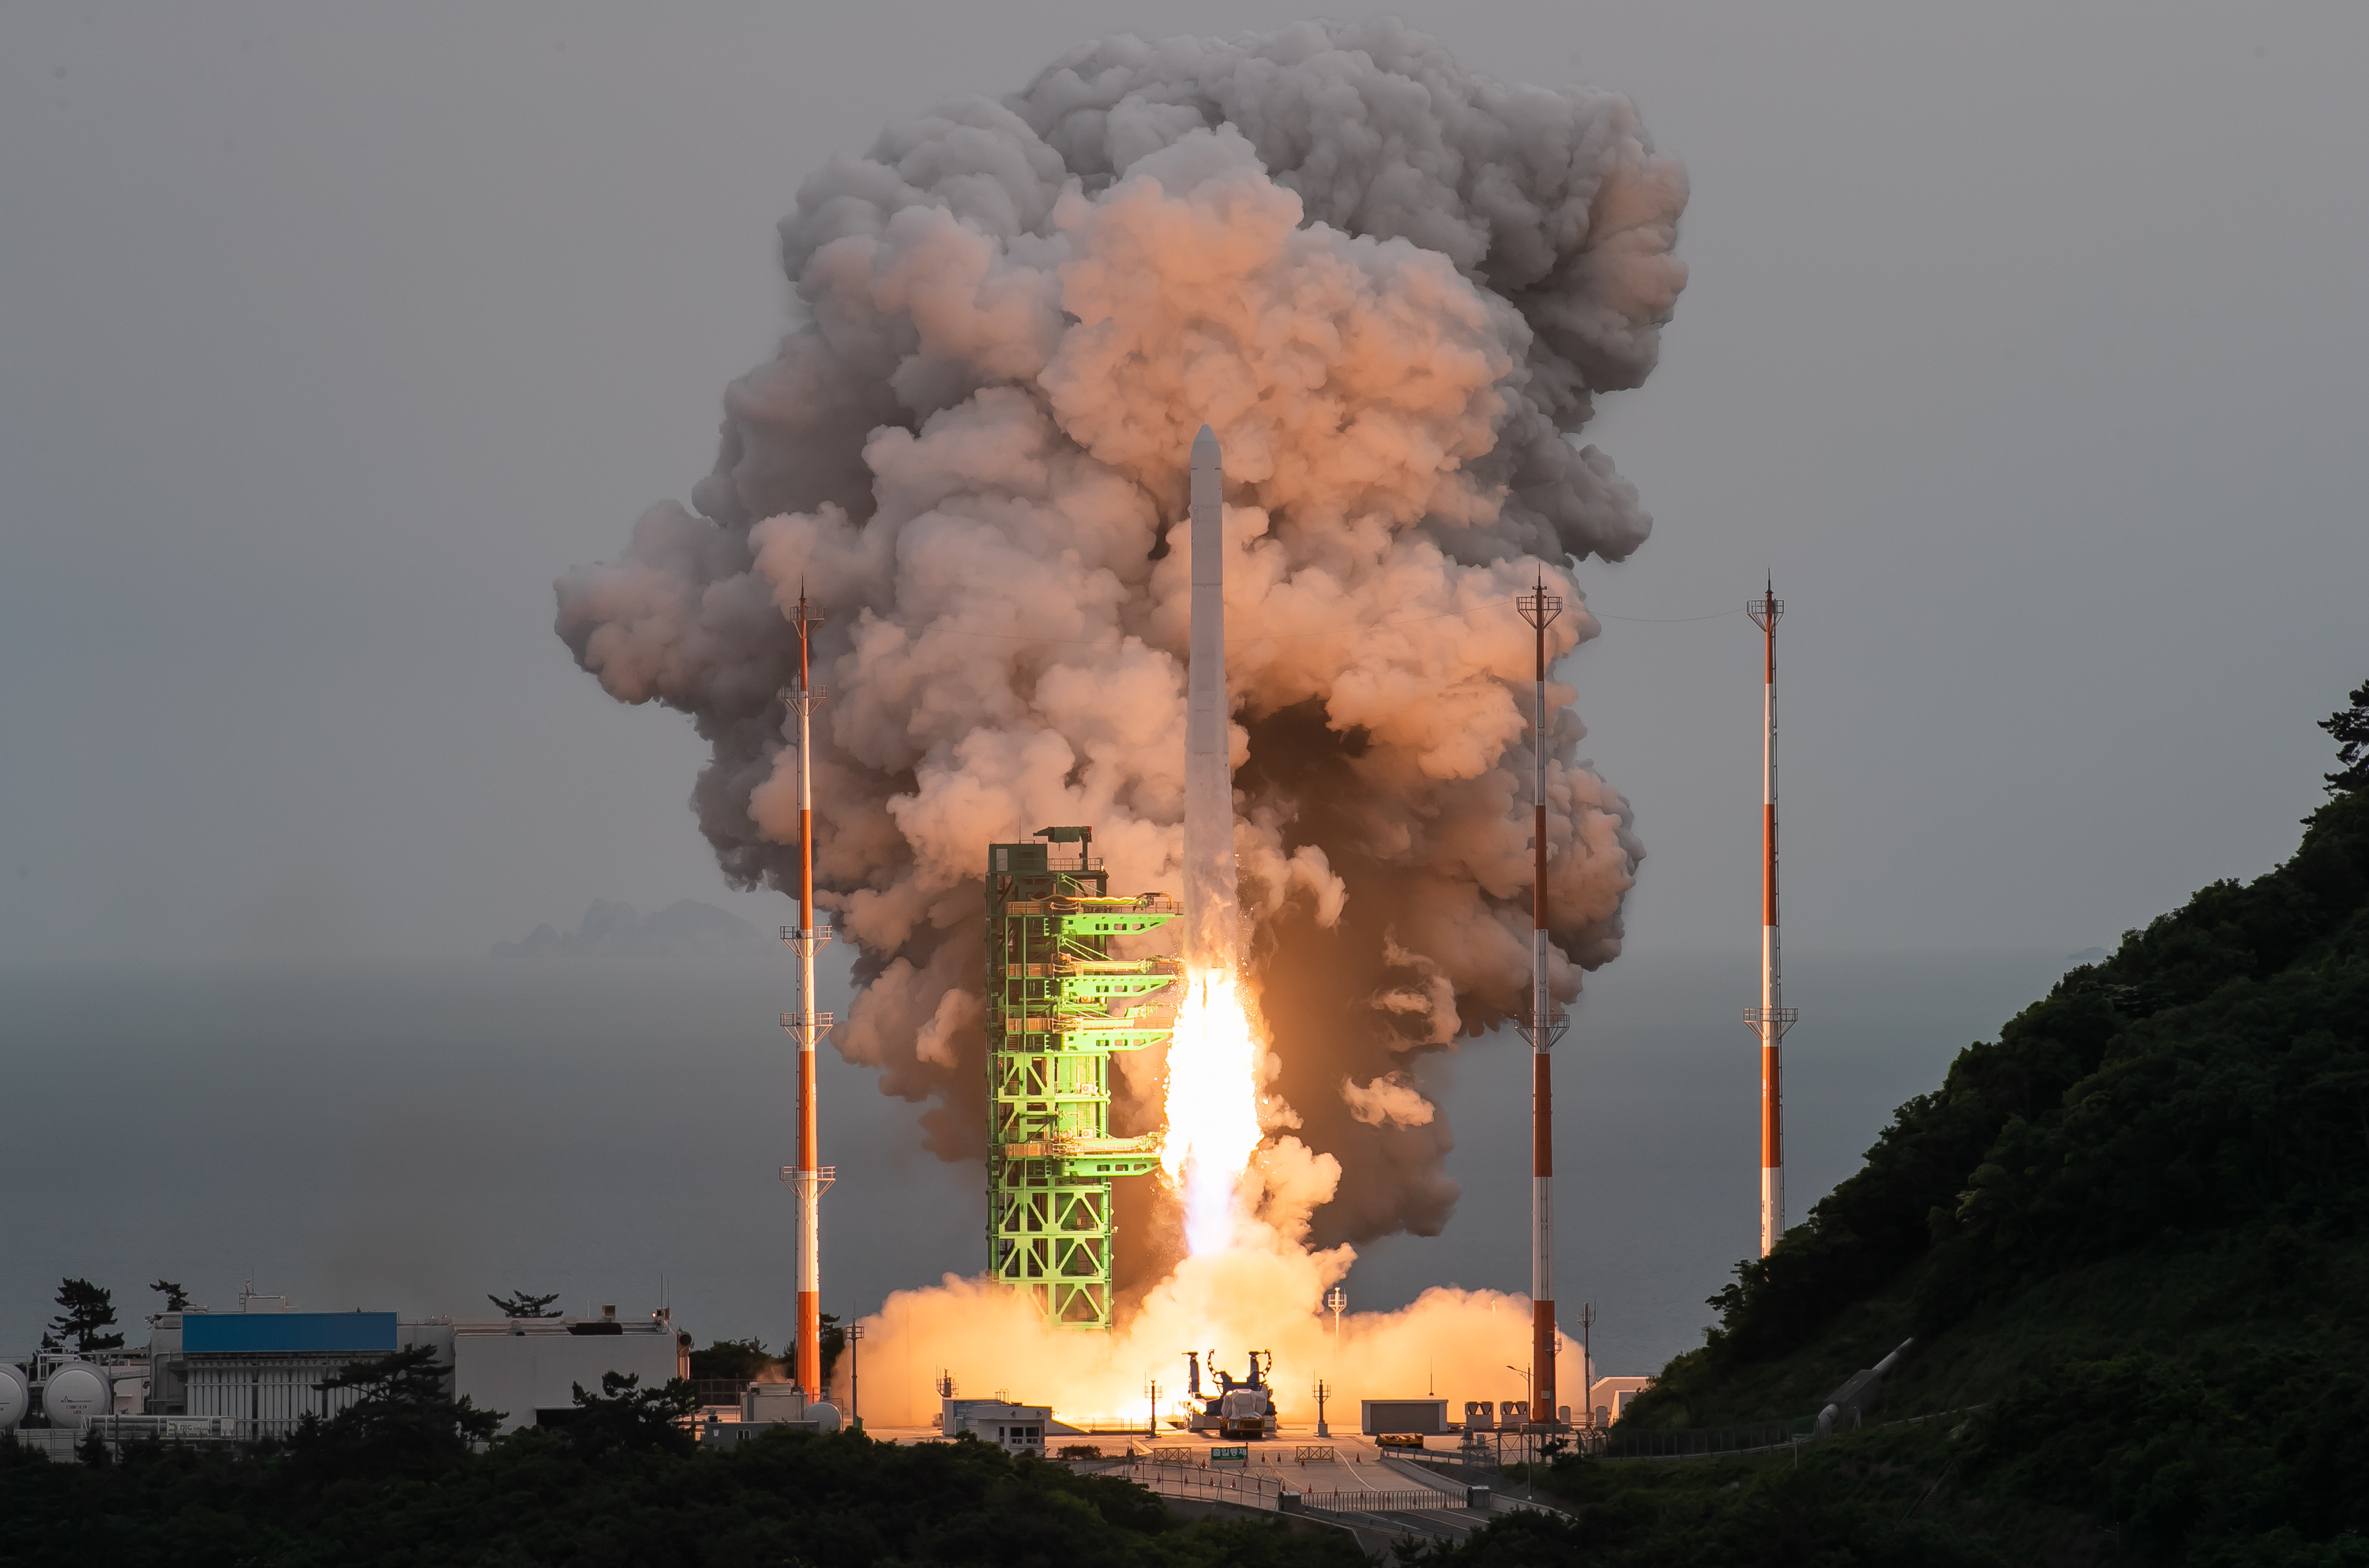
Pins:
<point x="1058" y="1005"/>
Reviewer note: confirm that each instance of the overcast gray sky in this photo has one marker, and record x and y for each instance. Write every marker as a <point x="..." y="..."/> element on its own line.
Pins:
<point x="2025" y="344"/>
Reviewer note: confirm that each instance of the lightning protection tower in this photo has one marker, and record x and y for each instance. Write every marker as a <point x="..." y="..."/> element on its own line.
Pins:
<point x="1771" y="1018"/>
<point x="1058" y="1006"/>
<point x="1544" y="1027"/>
<point x="808" y="1177"/>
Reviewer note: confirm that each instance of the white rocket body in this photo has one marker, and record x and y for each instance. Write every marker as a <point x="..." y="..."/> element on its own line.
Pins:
<point x="1209" y="909"/>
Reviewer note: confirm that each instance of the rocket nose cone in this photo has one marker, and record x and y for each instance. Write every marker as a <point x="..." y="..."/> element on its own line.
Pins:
<point x="1205" y="446"/>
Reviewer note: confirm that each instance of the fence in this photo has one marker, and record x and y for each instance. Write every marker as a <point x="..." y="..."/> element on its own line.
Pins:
<point x="1620" y="1443"/>
<point x="1374" y="1500"/>
<point x="63" y="1443"/>
<point x="1210" y="1485"/>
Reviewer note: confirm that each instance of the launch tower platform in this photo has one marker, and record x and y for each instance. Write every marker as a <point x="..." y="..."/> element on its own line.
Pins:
<point x="1058" y="1004"/>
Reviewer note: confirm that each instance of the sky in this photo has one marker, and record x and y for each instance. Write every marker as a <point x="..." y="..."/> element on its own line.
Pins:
<point x="2024" y="346"/>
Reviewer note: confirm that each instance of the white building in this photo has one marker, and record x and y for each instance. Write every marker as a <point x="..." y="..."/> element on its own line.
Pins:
<point x="1609" y="1397"/>
<point x="1015" y="1429"/>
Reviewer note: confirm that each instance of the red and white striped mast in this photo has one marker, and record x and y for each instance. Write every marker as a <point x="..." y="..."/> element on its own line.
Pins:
<point x="1771" y="1018"/>
<point x="808" y="1177"/>
<point x="1542" y="1029"/>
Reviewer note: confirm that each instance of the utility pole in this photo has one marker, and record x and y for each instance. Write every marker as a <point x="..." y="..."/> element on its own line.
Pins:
<point x="1586" y="1363"/>
<point x="855" y="1369"/>
<point x="809" y="1177"/>
<point x="1544" y="1027"/>
<point x="1152" y="1413"/>
<point x="1322" y="1389"/>
<point x="1771" y="1018"/>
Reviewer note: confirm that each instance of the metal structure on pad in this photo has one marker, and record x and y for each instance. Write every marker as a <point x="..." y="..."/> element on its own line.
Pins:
<point x="1058" y="1004"/>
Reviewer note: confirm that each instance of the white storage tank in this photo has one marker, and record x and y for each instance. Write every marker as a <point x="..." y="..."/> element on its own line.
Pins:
<point x="16" y="1396"/>
<point x="76" y="1392"/>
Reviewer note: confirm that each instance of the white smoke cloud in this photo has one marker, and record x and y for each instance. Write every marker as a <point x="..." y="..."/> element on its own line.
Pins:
<point x="1391" y="1100"/>
<point x="1392" y="287"/>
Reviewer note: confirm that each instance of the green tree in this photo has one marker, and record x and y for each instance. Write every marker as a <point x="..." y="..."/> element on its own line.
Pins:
<point x="175" y="1299"/>
<point x="2349" y="727"/>
<point x="522" y="1305"/>
<point x="84" y="1310"/>
<point x="735" y="1360"/>
<point x="403" y="1417"/>
<point x="834" y="1342"/>
<point x="625" y="1415"/>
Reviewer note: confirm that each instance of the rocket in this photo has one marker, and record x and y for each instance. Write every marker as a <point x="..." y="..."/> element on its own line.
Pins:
<point x="1209" y="914"/>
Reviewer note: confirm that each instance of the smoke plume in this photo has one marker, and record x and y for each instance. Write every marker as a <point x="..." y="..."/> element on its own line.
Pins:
<point x="1392" y="287"/>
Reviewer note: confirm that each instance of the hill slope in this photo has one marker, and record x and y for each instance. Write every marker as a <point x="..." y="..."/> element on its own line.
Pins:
<point x="2133" y="1227"/>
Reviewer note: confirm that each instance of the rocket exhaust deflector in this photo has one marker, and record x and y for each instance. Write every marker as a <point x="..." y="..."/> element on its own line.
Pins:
<point x="1209" y="906"/>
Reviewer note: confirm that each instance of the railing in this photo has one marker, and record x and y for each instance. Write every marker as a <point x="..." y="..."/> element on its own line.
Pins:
<point x="116" y="1428"/>
<point x="1171" y="1480"/>
<point x="61" y="1443"/>
<point x="1376" y="1500"/>
<point x="1180" y="1455"/>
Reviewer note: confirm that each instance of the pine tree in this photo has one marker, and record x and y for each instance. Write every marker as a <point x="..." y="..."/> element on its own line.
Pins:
<point x="2349" y="727"/>
<point x="87" y="1309"/>
<point x="522" y="1305"/>
<point x="175" y="1299"/>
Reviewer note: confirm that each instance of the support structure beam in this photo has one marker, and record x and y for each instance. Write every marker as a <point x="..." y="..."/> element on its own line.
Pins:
<point x="1058" y="1006"/>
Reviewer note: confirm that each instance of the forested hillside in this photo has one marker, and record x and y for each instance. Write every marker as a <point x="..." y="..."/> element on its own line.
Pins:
<point x="2130" y="1240"/>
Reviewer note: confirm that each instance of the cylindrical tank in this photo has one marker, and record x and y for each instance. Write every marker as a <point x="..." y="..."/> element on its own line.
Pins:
<point x="16" y="1396"/>
<point x="76" y="1392"/>
<point x="824" y="1417"/>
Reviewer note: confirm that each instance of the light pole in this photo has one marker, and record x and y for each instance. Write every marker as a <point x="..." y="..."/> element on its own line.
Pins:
<point x="1322" y="1430"/>
<point x="1524" y="1436"/>
<point x="1336" y="1301"/>
<point x="1586" y="1364"/>
<point x="855" y="1368"/>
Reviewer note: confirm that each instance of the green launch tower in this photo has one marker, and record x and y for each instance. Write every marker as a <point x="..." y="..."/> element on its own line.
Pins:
<point x="1058" y="1004"/>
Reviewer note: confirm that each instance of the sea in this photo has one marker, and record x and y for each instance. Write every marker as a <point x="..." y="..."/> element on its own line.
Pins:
<point x="417" y="1138"/>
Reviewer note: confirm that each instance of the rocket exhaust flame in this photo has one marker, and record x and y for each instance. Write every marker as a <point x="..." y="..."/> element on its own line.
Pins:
<point x="1212" y="1108"/>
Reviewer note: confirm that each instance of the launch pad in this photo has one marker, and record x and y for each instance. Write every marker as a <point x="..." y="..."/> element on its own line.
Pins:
<point x="1058" y="1006"/>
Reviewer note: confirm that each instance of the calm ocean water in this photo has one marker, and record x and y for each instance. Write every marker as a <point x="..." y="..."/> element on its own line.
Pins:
<point x="415" y="1138"/>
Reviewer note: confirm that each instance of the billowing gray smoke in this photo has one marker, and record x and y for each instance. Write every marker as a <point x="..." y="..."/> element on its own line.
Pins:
<point x="1392" y="288"/>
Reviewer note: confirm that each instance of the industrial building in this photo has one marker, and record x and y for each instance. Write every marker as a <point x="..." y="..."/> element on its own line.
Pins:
<point x="1015" y="1429"/>
<point x="254" y="1373"/>
<point x="1059" y="1003"/>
